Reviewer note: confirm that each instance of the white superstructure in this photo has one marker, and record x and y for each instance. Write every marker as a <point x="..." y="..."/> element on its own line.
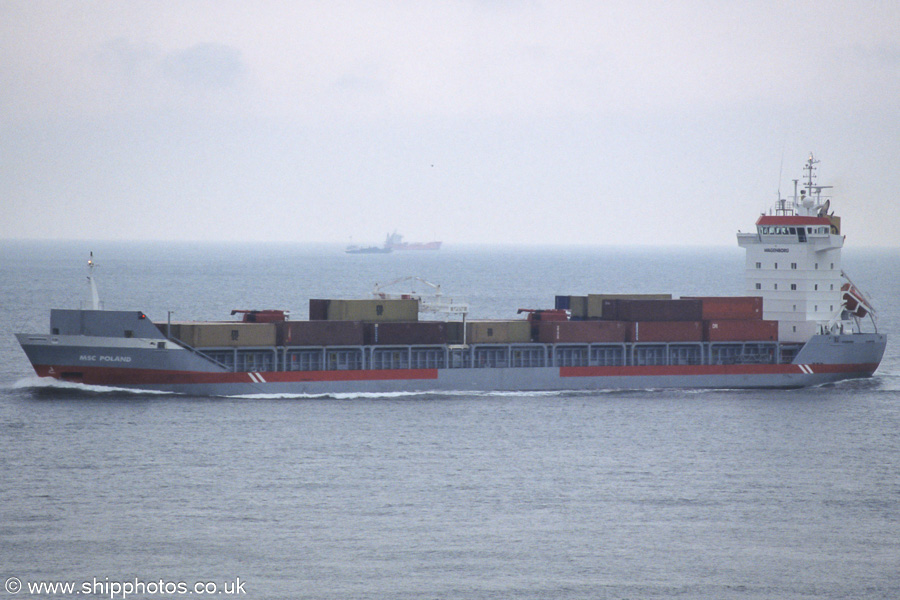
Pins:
<point x="794" y="262"/>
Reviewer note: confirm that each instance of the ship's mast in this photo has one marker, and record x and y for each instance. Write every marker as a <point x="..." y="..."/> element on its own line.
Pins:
<point x="810" y="172"/>
<point x="92" y="283"/>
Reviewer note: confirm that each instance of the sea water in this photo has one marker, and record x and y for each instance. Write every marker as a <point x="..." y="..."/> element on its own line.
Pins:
<point x="639" y="494"/>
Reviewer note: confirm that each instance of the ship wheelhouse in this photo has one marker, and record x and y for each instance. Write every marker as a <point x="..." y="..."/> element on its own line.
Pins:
<point x="793" y="261"/>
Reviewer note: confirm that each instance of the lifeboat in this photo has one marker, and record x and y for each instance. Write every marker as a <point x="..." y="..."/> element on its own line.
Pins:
<point x="854" y="301"/>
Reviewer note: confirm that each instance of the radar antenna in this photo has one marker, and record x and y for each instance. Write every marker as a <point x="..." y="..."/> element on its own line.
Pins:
<point x="810" y="172"/>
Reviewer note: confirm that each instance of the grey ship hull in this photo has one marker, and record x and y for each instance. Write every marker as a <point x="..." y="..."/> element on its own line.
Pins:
<point x="124" y="349"/>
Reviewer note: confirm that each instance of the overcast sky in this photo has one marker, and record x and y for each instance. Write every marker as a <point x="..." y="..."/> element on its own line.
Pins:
<point x="613" y="122"/>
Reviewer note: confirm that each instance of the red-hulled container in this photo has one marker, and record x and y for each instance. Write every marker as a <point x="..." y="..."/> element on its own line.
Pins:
<point x="657" y="310"/>
<point x="406" y="333"/>
<point x="580" y="332"/>
<point x="261" y="316"/>
<point x="546" y="314"/>
<point x="611" y="309"/>
<point x="747" y="330"/>
<point x="665" y="331"/>
<point x="320" y="333"/>
<point x="731" y="307"/>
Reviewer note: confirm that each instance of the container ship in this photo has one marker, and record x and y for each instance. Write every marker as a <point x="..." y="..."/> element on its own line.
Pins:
<point x="801" y="322"/>
<point x="394" y="241"/>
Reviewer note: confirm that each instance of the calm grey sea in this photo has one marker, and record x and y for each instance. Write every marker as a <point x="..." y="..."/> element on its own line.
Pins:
<point x="643" y="494"/>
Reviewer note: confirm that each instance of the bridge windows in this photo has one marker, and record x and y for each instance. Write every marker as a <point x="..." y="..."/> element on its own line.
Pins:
<point x="776" y="230"/>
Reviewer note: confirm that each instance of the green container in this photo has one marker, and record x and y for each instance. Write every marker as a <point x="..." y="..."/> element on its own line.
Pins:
<point x="373" y="310"/>
<point x="498" y="332"/>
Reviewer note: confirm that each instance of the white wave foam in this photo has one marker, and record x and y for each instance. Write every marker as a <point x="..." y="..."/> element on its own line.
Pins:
<point x="424" y="393"/>
<point x="56" y="384"/>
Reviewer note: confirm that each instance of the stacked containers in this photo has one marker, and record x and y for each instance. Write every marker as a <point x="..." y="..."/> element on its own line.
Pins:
<point x="736" y="319"/>
<point x="320" y="333"/>
<point x="364" y="310"/>
<point x="580" y="332"/>
<point x="578" y="307"/>
<point x="563" y="303"/>
<point x="602" y="306"/>
<point x="262" y="316"/>
<point x="224" y="334"/>
<point x="731" y="307"/>
<point x="498" y="332"/>
<point x="318" y="309"/>
<point x="665" y="331"/>
<point x="406" y="333"/>
<point x="654" y="310"/>
<point x="454" y="332"/>
<point x="591" y="306"/>
<point x="547" y="314"/>
<point x="740" y="330"/>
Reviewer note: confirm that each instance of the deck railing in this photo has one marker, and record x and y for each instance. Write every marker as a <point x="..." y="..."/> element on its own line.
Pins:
<point x="340" y="358"/>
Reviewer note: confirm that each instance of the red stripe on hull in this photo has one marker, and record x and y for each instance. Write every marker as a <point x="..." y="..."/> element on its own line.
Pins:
<point x="117" y="376"/>
<point x="713" y="370"/>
